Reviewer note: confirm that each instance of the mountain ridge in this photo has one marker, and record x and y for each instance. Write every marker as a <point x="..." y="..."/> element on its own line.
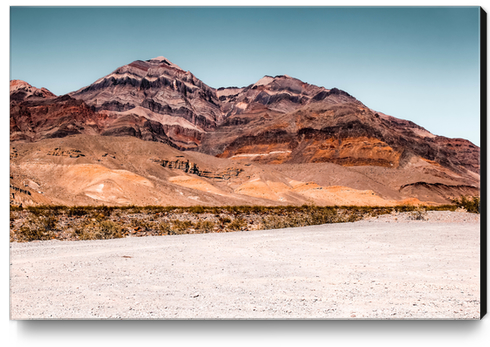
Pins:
<point x="277" y="121"/>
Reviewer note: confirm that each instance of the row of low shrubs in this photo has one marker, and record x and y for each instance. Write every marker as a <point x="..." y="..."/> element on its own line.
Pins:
<point x="465" y="202"/>
<point x="100" y="222"/>
<point x="78" y="211"/>
<point x="40" y="227"/>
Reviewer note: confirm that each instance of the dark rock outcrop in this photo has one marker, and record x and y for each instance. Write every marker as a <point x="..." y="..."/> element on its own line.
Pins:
<point x="192" y="168"/>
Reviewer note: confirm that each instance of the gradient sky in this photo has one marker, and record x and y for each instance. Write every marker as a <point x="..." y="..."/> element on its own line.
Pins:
<point x="416" y="63"/>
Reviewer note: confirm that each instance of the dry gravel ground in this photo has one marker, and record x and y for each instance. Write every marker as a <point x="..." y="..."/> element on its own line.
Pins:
<point x="389" y="267"/>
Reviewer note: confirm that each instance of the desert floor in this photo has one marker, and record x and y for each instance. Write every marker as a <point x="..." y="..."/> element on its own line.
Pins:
<point x="389" y="267"/>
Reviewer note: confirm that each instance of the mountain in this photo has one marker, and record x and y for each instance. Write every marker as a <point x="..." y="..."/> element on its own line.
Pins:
<point x="159" y="91"/>
<point x="279" y="140"/>
<point x="20" y="90"/>
<point x="283" y="120"/>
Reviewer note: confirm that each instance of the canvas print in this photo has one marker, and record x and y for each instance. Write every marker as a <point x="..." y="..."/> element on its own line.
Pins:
<point x="245" y="163"/>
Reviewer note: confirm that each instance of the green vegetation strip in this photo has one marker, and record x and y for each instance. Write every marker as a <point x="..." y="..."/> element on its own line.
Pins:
<point x="107" y="222"/>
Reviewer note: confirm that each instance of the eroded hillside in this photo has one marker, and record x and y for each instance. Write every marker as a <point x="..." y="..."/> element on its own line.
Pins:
<point x="88" y="170"/>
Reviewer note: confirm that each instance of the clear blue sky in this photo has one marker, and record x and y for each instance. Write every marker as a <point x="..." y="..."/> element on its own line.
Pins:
<point x="416" y="63"/>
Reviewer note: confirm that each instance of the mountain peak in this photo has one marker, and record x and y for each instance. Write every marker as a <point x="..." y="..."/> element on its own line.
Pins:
<point x="264" y="81"/>
<point x="19" y="84"/>
<point x="20" y="90"/>
<point x="162" y="59"/>
<point x="269" y="79"/>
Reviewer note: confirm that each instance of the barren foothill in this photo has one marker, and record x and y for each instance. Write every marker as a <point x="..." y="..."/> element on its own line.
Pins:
<point x="389" y="267"/>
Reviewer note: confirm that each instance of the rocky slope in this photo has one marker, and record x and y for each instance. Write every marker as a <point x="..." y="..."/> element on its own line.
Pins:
<point x="57" y="117"/>
<point x="92" y="170"/>
<point x="279" y="141"/>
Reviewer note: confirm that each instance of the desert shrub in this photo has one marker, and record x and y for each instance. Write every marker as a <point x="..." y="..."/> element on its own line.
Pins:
<point x="371" y="211"/>
<point x="257" y="209"/>
<point x="163" y="229"/>
<point x="105" y="211"/>
<point x="237" y="224"/>
<point x="54" y="210"/>
<point x="98" y="230"/>
<point x="351" y="215"/>
<point x="470" y="204"/>
<point x="38" y="210"/>
<point x="196" y="209"/>
<point x="204" y="226"/>
<point x="214" y="210"/>
<point x="154" y="209"/>
<point x="405" y="208"/>
<point x="232" y="209"/>
<point x="283" y="220"/>
<point x="141" y="224"/>
<point x="224" y="220"/>
<point x="441" y="208"/>
<point x="125" y="208"/>
<point x="309" y="215"/>
<point x="181" y="227"/>
<point x="77" y="211"/>
<point x="323" y="216"/>
<point x="109" y="230"/>
<point x="274" y="222"/>
<point x="149" y="209"/>
<point x="246" y="209"/>
<point x="37" y="228"/>
<point x="133" y="209"/>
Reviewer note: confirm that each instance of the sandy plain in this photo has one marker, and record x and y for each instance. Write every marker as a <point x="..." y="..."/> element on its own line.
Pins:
<point x="389" y="267"/>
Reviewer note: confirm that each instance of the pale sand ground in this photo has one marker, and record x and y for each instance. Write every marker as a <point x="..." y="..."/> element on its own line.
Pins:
<point x="381" y="268"/>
